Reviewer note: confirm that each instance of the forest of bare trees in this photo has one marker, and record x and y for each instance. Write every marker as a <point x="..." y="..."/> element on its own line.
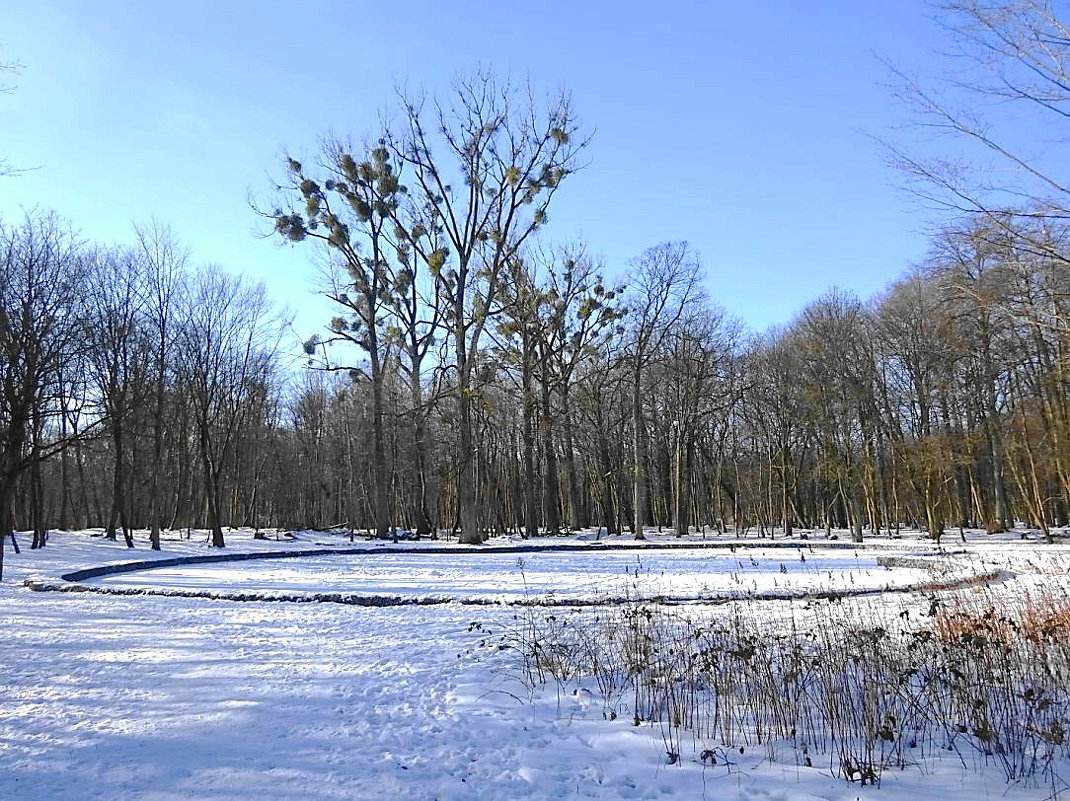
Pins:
<point x="141" y="393"/>
<point x="478" y="380"/>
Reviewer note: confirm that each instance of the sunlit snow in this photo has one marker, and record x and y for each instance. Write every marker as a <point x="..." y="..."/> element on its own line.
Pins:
<point x="152" y="697"/>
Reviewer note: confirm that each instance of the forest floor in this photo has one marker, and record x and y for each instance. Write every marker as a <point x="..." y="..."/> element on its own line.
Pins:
<point x="113" y="696"/>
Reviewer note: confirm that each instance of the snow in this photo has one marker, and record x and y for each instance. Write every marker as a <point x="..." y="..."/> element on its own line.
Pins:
<point x="152" y="697"/>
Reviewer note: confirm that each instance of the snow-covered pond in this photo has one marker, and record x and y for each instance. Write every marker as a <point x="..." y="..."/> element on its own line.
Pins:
<point x="509" y="577"/>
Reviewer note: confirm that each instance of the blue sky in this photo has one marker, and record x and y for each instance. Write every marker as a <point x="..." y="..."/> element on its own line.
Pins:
<point x="744" y="128"/>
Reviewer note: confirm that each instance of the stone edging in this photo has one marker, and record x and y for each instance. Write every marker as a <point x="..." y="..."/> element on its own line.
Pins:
<point x="926" y="561"/>
<point x="148" y="564"/>
<point x="952" y="582"/>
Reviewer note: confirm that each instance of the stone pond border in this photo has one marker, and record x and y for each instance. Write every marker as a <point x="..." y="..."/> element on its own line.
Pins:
<point x="935" y="561"/>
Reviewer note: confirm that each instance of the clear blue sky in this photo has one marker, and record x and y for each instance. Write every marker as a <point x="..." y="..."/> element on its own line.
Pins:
<point x="742" y="127"/>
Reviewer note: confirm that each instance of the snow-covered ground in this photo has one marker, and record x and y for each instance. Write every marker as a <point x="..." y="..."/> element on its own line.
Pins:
<point x="152" y="697"/>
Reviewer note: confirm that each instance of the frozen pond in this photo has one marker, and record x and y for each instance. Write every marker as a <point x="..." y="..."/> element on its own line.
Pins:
<point x="510" y="577"/>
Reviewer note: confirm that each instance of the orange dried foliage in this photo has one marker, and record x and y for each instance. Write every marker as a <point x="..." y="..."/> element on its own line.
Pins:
<point x="1040" y="620"/>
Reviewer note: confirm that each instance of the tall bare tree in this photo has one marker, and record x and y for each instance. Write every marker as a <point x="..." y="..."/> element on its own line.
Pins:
<point x="43" y="273"/>
<point x="118" y="361"/>
<point x="1011" y="73"/>
<point x="664" y="287"/>
<point x="11" y="68"/>
<point x="164" y="263"/>
<point x="354" y="230"/>
<point x="483" y="168"/>
<point x="226" y="353"/>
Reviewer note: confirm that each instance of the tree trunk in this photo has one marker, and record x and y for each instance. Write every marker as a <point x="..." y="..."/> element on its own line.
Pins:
<point x="578" y="517"/>
<point x="550" y="495"/>
<point x="531" y="508"/>
<point x="606" y="464"/>
<point x="37" y="502"/>
<point x="212" y="496"/>
<point x="638" y="458"/>
<point x="933" y="522"/>
<point x="681" y="519"/>
<point x="119" y="499"/>
<point x="64" y="478"/>
<point x="381" y="477"/>
<point x="785" y="493"/>
<point x="424" y="525"/>
<point x="467" y="496"/>
<point x="7" y="492"/>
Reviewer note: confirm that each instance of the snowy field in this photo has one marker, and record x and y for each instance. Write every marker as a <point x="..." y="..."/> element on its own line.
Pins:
<point x="152" y="697"/>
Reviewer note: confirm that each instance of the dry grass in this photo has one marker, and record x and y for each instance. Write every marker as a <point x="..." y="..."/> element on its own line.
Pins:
<point x="1042" y="618"/>
<point x="851" y="687"/>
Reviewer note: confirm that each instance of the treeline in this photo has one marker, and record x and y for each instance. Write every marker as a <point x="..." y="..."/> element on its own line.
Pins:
<point x="133" y="388"/>
<point x="941" y="403"/>
<point x="944" y="401"/>
<point x="141" y="393"/>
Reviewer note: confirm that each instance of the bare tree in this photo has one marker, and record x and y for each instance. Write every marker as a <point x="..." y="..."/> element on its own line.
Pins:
<point x="516" y="335"/>
<point x="226" y="352"/>
<point x="773" y="410"/>
<point x="10" y="67"/>
<point x="664" y="289"/>
<point x="1011" y="73"/>
<point x="694" y="375"/>
<point x="42" y="277"/>
<point x="973" y="273"/>
<point x="118" y="362"/>
<point x="480" y="171"/>
<point x="917" y="365"/>
<point x="556" y="315"/>
<point x="510" y="156"/>
<point x="164" y="262"/>
<point x="354" y="229"/>
<point x="581" y="314"/>
<point x="839" y="371"/>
